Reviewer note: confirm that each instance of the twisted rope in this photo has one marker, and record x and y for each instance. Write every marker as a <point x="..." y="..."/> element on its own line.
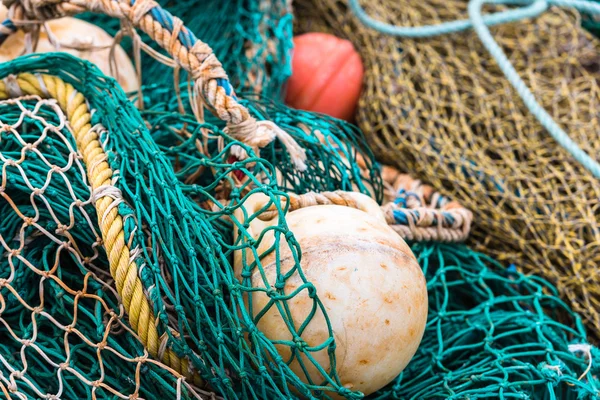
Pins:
<point x="211" y="84"/>
<point x="123" y="267"/>
<point x="415" y="211"/>
<point x="531" y="9"/>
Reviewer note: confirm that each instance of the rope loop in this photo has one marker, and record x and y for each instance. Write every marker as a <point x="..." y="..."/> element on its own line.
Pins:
<point x="413" y="210"/>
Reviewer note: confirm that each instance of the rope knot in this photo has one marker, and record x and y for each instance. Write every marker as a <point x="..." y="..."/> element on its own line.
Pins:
<point x="141" y="359"/>
<point x="344" y="391"/>
<point x="259" y="134"/>
<point x="248" y="132"/>
<point x="299" y="343"/>
<point x="12" y="86"/>
<point x="204" y="65"/>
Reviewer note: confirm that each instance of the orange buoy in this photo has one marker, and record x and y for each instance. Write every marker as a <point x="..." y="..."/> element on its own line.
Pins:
<point x="326" y="76"/>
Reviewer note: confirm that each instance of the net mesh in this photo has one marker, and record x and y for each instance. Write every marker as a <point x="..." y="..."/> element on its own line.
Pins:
<point x="338" y="157"/>
<point x="447" y="114"/>
<point x="190" y="280"/>
<point x="500" y="326"/>
<point x="61" y="319"/>
<point x="490" y="333"/>
<point x="494" y="333"/>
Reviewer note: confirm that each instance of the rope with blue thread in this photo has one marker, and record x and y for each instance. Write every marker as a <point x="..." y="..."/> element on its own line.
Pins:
<point x="413" y="210"/>
<point x="211" y="84"/>
<point x="479" y="23"/>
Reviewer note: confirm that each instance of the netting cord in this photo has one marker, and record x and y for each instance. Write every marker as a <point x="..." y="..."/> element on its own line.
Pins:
<point x="211" y="84"/>
<point x="416" y="212"/>
<point x="122" y="263"/>
<point x="479" y="23"/>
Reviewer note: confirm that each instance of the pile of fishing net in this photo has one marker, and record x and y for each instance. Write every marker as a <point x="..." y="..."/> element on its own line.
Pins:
<point x="448" y="114"/>
<point x="117" y="275"/>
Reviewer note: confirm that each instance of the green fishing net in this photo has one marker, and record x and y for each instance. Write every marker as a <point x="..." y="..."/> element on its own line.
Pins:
<point x="338" y="156"/>
<point x="494" y="333"/>
<point x="490" y="332"/>
<point x="61" y="320"/>
<point x="183" y="251"/>
<point x="253" y="39"/>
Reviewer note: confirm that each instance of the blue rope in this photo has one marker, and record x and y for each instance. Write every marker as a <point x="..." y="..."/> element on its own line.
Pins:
<point x="528" y="98"/>
<point x="451" y="26"/>
<point x="480" y="24"/>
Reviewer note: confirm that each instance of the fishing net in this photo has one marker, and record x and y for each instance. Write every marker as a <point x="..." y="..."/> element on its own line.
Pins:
<point x="338" y="157"/>
<point x="61" y="317"/>
<point x="447" y="113"/>
<point x="253" y="39"/>
<point x="494" y="333"/>
<point x="183" y="302"/>
<point x="490" y="332"/>
<point x="119" y="241"/>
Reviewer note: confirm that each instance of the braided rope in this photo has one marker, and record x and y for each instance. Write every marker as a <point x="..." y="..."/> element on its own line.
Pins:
<point x="211" y="83"/>
<point x="414" y="210"/>
<point x="123" y="267"/>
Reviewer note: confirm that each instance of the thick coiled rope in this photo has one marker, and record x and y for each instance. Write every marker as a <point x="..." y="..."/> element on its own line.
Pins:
<point x="414" y="210"/>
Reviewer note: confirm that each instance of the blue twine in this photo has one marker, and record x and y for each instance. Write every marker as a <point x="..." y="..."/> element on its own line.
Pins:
<point x="404" y="216"/>
<point x="480" y="24"/>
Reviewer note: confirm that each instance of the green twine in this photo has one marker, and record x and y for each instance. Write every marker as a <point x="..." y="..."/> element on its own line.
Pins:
<point x="491" y="333"/>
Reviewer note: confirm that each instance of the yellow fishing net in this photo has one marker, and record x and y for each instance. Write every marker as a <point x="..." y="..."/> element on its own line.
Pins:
<point x="442" y="109"/>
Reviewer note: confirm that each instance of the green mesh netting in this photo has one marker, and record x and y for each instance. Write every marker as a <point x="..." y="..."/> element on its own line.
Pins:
<point x="58" y="305"/>
<point x="493" y="333"/>
<point x="490" y="333"/>
<point x="184" y="250"/>
<point x="338" y="157"/>
<point x="252" y="38"/>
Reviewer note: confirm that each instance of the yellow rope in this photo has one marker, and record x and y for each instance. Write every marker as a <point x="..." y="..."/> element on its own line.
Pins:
<point x="123" y="270"/>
